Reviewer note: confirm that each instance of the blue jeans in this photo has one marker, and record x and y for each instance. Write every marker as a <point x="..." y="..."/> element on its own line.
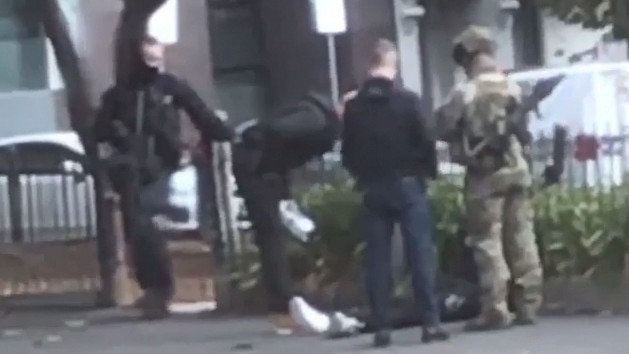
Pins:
<point x="403" y="201"/>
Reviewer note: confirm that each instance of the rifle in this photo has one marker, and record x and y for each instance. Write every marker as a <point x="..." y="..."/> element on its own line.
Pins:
<point x="542" y="89"/>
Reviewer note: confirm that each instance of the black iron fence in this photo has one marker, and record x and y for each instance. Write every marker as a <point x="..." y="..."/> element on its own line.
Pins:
<point x="47" y="221"/>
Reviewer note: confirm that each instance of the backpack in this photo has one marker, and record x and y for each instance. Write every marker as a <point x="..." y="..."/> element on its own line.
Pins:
<point x="486" y="123"/>
<point x="300" y="132"/>
<point x="489" y="145"/>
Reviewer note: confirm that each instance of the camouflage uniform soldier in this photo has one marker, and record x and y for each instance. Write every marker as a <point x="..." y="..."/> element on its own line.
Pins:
<point x="478" y="123"/>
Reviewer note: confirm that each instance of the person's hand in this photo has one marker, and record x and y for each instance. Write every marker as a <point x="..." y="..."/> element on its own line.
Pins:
<point x="346" y="97"/>
<point x="105" y="151"/>
<point x="221" y="114"/>
<point x="545" y="87"/>
<point x="161" y="222"/>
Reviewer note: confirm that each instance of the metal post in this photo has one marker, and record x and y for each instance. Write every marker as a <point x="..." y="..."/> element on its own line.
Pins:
<point x="333" y="68"/>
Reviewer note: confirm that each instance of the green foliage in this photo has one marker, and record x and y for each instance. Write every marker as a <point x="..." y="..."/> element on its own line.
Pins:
<point x="448" y="212"/>
<point x="338" y="241"/>
<point x="581" y="231"/>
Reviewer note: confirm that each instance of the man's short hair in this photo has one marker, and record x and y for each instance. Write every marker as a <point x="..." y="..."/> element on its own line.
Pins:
<point x="380" y="50"/>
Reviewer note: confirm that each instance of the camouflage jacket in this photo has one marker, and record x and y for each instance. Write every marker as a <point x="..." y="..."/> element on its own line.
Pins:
<point x="508" y="169"/>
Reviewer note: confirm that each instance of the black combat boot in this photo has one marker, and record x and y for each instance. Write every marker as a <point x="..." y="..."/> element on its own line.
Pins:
<point x="382" y="339"/>
<point x="434" y="334"/>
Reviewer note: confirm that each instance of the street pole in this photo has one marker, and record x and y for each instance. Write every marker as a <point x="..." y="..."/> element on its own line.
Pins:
<point x="329" y="19"/>
<point x="333" y="68"/>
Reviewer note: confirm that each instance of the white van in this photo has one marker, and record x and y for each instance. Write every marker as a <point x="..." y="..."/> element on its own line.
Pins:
<point x="592" y="99"/>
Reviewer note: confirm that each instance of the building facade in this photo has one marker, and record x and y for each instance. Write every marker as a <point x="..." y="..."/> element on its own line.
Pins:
<point x="250" y="57"/>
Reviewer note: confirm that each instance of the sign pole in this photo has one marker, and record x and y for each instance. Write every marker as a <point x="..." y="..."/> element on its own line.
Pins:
<point x="329" y="19"/>
<point x="333" y="68"/>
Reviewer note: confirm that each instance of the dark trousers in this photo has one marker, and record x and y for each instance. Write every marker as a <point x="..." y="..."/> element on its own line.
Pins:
<point x="149" y="249"/>
<point x="262" y="194"/>
<point x="403" y="201"/>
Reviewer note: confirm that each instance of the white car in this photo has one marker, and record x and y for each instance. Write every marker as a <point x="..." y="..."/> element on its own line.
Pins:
<point x="52" y="198"/>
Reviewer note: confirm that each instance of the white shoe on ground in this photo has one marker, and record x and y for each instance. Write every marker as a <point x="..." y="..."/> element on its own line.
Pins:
<point x="308" y="317"/>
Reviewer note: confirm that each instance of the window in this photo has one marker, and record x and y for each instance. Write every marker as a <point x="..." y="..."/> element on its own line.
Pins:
<point x="527" y="35"/>
<point x="237" y="57"/>
<point x="22" y="47"/>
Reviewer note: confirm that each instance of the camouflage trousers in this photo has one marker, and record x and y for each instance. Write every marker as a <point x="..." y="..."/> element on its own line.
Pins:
<point x="500" y="231"/>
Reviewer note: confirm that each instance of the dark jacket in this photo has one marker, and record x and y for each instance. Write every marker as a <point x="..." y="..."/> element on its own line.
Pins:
<point x="385" y="135"/>
<point x="120" y="103"/>
<point x="163" y="96"/>
<point x="294" y="135"/>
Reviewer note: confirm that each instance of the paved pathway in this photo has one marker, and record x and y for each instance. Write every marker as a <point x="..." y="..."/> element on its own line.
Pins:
<point x="574" y="335"/>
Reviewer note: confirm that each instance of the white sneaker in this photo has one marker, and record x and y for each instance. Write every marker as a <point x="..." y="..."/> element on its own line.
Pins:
<point x="343" y="325"/>
<point x="295" y="220"/>
<point x="308" y="317"/>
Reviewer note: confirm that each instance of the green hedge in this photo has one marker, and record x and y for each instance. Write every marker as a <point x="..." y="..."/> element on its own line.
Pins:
<point x="581" y="231"/>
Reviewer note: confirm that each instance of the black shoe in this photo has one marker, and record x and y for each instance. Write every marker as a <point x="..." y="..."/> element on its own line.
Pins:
<point x="524" y="321"/>
<point x="434" y="334"/>
<point x="382" y="339"/>
<point x="480" y="325"/>
<point x="154" y="305"/>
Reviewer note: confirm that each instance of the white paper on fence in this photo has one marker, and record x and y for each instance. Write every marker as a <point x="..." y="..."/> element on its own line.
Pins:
<point x="300" y="225"/>
<point x="183" y="192"/>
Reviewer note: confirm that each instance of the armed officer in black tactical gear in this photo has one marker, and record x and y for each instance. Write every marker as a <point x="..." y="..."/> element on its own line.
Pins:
<point x="141" y="123"/>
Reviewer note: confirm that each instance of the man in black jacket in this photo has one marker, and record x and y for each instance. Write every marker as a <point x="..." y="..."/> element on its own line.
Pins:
<point x="264" y="154"/>
<point x="388" y="148"/>
<point x="141" y="123"/>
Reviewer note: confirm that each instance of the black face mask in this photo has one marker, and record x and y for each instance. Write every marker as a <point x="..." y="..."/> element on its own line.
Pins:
<point x="145" y="74"/>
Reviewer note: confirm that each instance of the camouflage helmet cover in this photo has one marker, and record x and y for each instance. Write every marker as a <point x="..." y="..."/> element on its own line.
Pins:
<point x="476" y="39"/>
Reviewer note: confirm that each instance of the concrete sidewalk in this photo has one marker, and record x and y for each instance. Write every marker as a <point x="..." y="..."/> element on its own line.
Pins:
<point x="570" y="335"/>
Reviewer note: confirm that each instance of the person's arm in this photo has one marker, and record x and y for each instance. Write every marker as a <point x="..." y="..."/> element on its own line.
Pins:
<point x="108" y="128"/>
<point x="347" y="139"/>
<point x="448" y="116"/>
<point x="207" y="121"/>
<point x="346" y="98"/>
<point x="103" y="124"/>
<point x="423" y="136"/>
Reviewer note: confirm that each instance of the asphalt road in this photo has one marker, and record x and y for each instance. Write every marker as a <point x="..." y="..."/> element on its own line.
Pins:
<point x="570" y="335"/>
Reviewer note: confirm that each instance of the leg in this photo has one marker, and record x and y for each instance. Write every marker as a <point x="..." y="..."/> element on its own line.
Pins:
<point x="485" y="237"/>
<point x="262" y="196"/>
<point x="153" y="269"/>
<point x="416" y="227"/>
<point x="149" y="251"/>
<point x="378" y="231"/>
<point x="522" y="255"/>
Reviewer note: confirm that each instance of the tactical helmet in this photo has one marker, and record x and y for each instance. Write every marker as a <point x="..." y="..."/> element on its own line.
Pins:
<point x="476" y="39"/>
